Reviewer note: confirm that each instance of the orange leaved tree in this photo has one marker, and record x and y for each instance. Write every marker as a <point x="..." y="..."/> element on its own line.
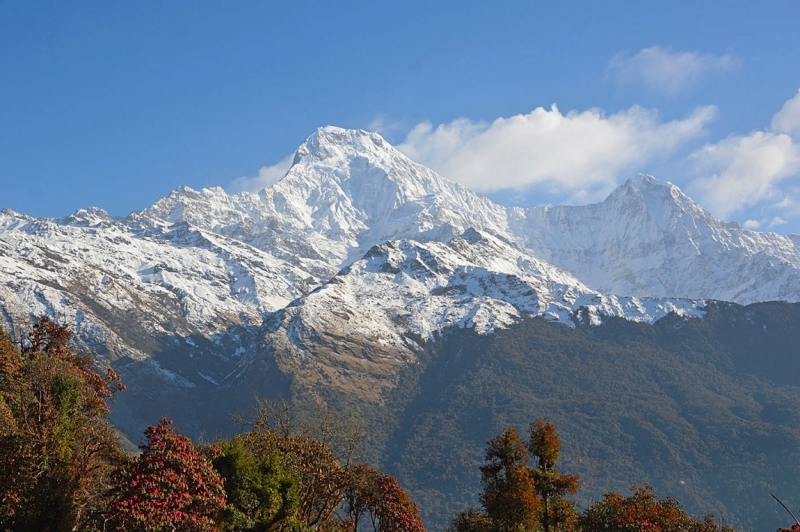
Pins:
<point x="508" y="496"/>
<point x="552" y="486"/>
<point x="57" y="448"/>
<point x="643" y="511"/>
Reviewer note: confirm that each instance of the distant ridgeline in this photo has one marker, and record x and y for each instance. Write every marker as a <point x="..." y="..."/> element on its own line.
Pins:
<point x="705" y="410"/>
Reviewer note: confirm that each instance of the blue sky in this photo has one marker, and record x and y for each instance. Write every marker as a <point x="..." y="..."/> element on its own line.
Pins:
<point x="114" y="104"/>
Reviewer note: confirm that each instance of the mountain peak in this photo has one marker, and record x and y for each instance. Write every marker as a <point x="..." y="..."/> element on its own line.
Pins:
<point x="660" y="199"/>
<point x="645" y="184"/>
<point x="361" y="169"/>
<point x="330" y="141"/>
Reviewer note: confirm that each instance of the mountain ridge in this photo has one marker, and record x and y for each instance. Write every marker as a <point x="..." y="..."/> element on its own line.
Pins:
<point x="356" y="225"/>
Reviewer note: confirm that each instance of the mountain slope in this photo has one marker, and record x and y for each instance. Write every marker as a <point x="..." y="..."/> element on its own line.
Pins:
<point x="706" y="410"/>
<point x="355" y="332"/>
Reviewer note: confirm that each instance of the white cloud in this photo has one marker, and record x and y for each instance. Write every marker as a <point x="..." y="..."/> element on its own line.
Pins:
<point x="777" y="221"/>
<point x="267" y="176"/>
<point x="744" y="170"/>
<point x="584" y="154"/>
<point x="788" y="205"/>
<point x="437" y="147"/>
<point x="666" y="71"/>
<point x="752" y="224"/>
<point x="380" y="124"/>
<point x="755" y="224"/>
<point x="787" y="120"/>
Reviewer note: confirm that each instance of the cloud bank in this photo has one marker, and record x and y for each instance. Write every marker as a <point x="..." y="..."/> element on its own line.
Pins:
<point x="666" y="71"/>
<point x="581" y="153"/>
<point x="581" y="156"/>
<point x="743" y="171"/>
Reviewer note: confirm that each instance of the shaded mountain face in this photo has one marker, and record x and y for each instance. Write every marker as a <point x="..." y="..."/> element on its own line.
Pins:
<point x="334" y="281"/>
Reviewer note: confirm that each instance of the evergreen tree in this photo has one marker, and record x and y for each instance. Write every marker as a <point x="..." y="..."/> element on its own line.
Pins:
<point x="260" y="494"/>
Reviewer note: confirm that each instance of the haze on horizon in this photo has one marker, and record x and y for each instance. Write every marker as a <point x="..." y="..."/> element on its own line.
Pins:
<point x="114" y="106"/>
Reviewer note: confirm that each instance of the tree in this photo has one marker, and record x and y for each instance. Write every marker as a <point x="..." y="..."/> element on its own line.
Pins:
<point x="57" y="448"/>
<point x="320" y="478"/>
<point x="508" y="496"/>
<point x="517" y="498"/>
<point x="316" y="447"/>
<point x="643" y="511"/>
<point x="557" y="513"/>
<point x="470" y="520"/>
<point x="170" y="486"/>
<point x="396" y="512"/>
<point x="260" y="494"/>
<point x="379" y="497"/>
<point x="341" y="433"/>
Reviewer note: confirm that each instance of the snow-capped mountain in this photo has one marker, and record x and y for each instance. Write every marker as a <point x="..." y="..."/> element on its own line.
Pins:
<point x="346" y="191"/>
<point x="357" y="329"/>
<point x="350" y="190"/>
<point x="650" y="240"/>
<point x="356" y="255"/>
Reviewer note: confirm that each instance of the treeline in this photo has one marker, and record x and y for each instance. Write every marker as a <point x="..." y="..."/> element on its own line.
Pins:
<point x="62" y="469"/>
<point x="518" y="496"/>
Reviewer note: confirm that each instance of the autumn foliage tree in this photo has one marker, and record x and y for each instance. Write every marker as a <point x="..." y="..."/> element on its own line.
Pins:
<point x="519" y="498"/>
<point x="508" y="496"/>
<point x="378" y="499"/>
<point x="552" y="486"/>
<point x="56" y="447"/>
<point x="643" y="510"/>
<point x="170" y="486"/>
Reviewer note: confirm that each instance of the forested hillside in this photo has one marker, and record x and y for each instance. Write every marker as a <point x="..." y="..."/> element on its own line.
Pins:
<point x="706" y="410"/>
